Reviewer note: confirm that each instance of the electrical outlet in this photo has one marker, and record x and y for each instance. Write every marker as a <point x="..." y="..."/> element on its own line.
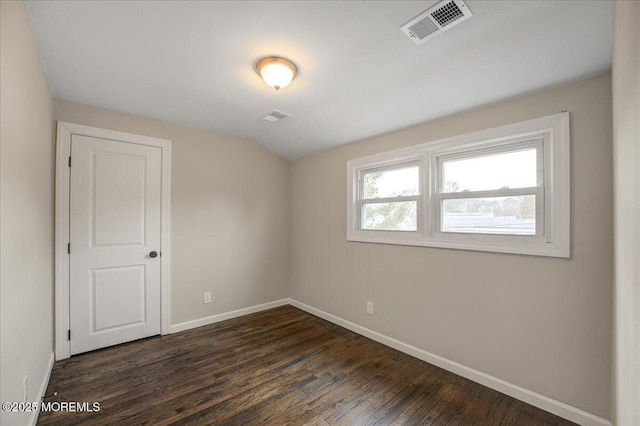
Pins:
<point x="25" y="389"/>
<point x="370" y="308"/>
<point x="207" y="297"/>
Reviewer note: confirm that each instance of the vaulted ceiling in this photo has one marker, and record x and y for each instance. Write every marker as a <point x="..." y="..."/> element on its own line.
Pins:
<point x="191" y="62"/>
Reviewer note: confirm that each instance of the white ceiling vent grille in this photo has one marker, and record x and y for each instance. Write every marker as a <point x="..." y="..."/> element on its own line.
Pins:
<point x="436" y="19"/>
<point x="275" y="116"/>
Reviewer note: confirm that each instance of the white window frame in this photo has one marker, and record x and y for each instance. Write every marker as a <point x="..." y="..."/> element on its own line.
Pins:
<point x="549" y="135"/>
<point x="514" y="145"/>
<point x="416" y="162"/>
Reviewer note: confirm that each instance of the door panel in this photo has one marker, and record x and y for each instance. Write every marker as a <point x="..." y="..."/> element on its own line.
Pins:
<point x="115" y="211"/>
<point x="118" y="297"/>
<point x="118" y="217"/>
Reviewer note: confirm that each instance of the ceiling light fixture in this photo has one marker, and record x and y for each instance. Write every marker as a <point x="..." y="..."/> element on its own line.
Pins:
<point x="276" y="72"/>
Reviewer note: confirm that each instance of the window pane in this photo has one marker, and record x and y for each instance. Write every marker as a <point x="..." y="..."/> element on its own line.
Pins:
<point x="392" y="183"/>
<point x="509" y="170"/>
<point x="400" y="216"/>
<point x="496" y="215"/>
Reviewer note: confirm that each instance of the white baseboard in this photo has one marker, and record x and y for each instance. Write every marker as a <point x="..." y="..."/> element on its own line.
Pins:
<point x="558" y="408"/>
<point x="188" y="325"/>
<point x="42" y="389"/>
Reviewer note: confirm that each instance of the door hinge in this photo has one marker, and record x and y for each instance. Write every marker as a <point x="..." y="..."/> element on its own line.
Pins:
<point x="68" y="334"/>
<point x="69" y="161"/>
<point x="68" y="248"/>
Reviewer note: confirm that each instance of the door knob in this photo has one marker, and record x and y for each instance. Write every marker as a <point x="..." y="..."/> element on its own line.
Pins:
<point x="153" y="254"/>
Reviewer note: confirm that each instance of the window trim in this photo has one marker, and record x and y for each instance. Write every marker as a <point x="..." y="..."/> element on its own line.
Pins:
<point x="552" y="133"/>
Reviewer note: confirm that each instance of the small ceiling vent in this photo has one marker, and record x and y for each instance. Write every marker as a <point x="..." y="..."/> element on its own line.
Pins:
<point x="275" y="116"/>
<point x="436" y="19"/>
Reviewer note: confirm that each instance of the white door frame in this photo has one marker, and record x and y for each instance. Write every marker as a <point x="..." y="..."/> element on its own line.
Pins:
<point x="63" y="152"/>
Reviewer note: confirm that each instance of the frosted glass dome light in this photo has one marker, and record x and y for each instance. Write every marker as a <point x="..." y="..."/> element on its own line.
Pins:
<point x="276" y="72"/>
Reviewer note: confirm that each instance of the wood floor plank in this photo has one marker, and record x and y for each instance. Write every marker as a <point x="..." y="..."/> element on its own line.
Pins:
<point x="276" y="367"/>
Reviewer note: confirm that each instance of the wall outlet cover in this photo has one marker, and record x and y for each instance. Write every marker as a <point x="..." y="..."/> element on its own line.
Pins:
<point x="25" y="389"/>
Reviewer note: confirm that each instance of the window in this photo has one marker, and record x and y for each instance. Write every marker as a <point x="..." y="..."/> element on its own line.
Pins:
<point x="492" y="191"/>
<point x="389" y="198"/>
<point x="502" y="190"/>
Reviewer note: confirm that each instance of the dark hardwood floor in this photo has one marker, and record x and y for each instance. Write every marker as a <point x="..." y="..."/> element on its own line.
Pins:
<point x="277" y="367"/>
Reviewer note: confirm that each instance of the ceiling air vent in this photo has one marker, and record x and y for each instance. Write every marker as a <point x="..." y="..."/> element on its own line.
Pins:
<point x="436" y="19"/>
<point x="275" y="116"/>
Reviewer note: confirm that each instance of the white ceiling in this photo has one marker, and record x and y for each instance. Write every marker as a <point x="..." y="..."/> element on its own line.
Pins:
<point x="192" y="62"/>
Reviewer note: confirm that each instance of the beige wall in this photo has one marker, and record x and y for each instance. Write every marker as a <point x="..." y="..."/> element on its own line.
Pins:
<point x="26" y="212"/>
<point x="626" y="135"/>
<point x="540" y="323"/>
<point x="229" y="215"/>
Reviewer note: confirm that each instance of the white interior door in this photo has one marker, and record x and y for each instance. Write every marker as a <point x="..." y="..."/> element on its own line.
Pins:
<point x="115" y="225"/>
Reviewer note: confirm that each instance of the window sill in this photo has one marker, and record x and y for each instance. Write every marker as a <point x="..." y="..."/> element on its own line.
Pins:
<point x="533" y="247"/>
